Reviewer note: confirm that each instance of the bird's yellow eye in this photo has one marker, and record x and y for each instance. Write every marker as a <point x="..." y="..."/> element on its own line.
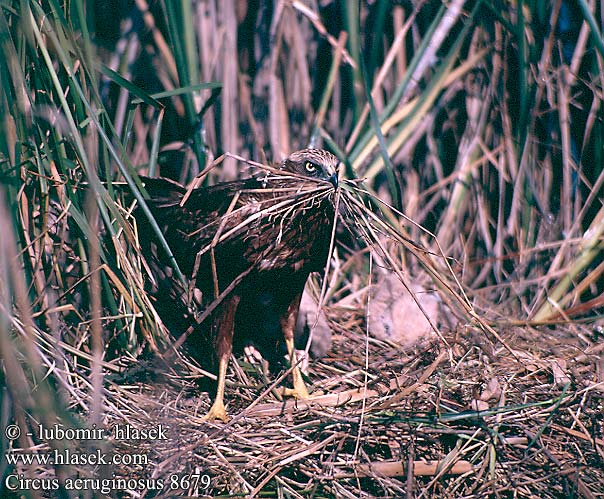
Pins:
<point x="309" y="167"/>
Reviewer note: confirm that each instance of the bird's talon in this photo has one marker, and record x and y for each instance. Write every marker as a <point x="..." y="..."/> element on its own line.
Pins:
<point x="297" y="393"/>
<point x="217" y="411"/>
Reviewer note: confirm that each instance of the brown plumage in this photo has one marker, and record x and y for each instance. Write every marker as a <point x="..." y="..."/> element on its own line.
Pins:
<point x="245" y="246"/>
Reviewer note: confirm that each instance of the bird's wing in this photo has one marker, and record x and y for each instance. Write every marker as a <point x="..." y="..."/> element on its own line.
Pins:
<point x="205" y="202"/>
<point x="190" y="226"/>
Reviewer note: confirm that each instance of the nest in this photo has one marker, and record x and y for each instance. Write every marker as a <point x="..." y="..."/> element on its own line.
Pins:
<point x="470" y="420"/>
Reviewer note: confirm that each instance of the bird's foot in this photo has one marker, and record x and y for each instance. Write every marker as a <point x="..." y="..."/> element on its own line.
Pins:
<point x="299" y="391"/>
<point x="217" y="411"/>
<point x="298" y="394"/>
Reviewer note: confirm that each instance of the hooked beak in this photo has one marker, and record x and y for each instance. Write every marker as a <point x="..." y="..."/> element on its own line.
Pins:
<point x="333" y="180"/>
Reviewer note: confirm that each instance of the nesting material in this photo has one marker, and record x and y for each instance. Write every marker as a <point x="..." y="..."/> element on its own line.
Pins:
<point x="394" y="315"/>
<point x="430" y="421"/>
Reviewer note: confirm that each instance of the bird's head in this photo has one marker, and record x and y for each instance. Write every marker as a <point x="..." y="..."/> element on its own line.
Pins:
<point x="313" y="163"/>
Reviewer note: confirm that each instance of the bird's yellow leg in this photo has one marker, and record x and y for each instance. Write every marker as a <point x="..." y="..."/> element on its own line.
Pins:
<point x="299" y="391"/>
<point x="224" y="323"/>
<point x="218" y="411"/>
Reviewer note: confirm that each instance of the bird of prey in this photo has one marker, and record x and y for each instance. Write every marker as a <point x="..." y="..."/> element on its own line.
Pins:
<point x="244" y="244"/>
